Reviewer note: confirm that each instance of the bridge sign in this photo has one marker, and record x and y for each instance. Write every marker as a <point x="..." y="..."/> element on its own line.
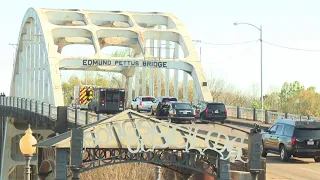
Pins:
<point x="103" y="62"/>
<point x="70" y="63"/>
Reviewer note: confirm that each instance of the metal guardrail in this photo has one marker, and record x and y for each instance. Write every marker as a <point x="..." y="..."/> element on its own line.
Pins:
<point x="49" y="110"/>
<point x="268" y="116"/>
<point x="84" y="117"/>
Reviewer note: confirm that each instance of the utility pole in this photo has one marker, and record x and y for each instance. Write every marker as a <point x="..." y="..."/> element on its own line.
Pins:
<point x="261" y="65"/>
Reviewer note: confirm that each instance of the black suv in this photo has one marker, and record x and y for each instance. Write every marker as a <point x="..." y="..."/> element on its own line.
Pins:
<point x="181" y="111"/>
<point x="297" y="138"/>
<point x="212" y="111"/>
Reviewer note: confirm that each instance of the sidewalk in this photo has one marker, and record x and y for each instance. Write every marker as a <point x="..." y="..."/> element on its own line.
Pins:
<point x="271" y="176"/>
<point x="244" y="122"/>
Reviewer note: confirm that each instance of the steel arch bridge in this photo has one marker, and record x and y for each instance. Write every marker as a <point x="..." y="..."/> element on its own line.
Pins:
<point x="45" y="32"/>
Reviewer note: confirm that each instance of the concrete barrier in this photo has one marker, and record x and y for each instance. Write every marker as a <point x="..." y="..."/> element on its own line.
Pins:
<point x="240" y="175"/>
<point x="240" y="166"/>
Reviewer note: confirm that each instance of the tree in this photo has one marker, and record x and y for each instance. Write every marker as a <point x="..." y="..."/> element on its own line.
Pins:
<point x="67" y="88"/>
<point x="288" y="95"/>
<point x="309" y="102"/>
<point x="272" y="101"/>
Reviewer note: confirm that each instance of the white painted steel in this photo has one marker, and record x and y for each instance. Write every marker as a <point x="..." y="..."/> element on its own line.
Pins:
<point x="159" y="71"/>
<point x="167" y="75"/>
<point x="137" y="83"/>
<point x="176" y="72"/>
<point x="53" y="27"/>
<point x="151" y="70"/>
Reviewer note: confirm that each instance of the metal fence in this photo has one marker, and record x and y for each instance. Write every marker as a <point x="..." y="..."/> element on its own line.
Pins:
<point x="267" y="116"/>
<point x="49" y="110"/>
<point x="84" y="117"/>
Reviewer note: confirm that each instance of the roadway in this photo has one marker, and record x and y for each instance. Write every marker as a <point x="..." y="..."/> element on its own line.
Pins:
<point x="295" y="169"/>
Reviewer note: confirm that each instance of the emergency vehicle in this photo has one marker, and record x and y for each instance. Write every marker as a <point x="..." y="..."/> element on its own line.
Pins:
<point x="82" y="94"/>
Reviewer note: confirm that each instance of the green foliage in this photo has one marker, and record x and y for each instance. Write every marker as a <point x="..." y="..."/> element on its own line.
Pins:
<point x="257" y="104"/>
<point x="121" y="53"/>
<point x="295" y="98"/>
<point x="67" y="88"/>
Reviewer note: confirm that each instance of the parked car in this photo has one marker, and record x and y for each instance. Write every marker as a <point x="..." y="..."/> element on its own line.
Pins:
<point x="157" y="103"/>
<point x="181" y="111"/>
<point x="297" y="138"/>
<point x="212" y="111"/>
<point x="142" y="103"/>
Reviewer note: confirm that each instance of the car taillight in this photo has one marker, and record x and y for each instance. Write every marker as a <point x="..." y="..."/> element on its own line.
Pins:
<point x="102" y="101"/>
<point x="121" y="102"/>
<point x="194" y="112"/>
<point x="226" y="111"/>
<point x="293" y="141"/>
<point x="140" y="103"/>
<point x="207" y="111"/>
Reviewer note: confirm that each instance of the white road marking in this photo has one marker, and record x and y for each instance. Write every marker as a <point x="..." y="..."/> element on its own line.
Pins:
<point x="311" y="170"/>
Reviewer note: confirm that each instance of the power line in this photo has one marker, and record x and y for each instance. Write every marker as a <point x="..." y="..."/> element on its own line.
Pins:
<point x="228" y="44"/>
<point x="272" y="44"/>
<point x="297" y="49"/>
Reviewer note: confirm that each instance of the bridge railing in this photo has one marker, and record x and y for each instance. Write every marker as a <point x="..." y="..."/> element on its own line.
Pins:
<point x="49" y="110"/>
<point x="84" y="117"/>
<point x="267" y="116"/>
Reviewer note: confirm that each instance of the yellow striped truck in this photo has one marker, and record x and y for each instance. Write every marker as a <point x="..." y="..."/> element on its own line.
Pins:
<point x="83" y="94"/>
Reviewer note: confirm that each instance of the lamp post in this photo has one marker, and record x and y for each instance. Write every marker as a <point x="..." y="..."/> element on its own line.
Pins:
<point x="261" y="76"/>
<point x="26" y="147"/>
<point x="198" y="41"/>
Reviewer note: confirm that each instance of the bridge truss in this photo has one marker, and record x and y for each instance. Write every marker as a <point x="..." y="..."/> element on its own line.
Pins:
<point x="45" y="32"/>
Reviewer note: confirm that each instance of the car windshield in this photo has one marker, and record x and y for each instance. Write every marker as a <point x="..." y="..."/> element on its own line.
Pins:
<point x="148" y="99"/>
<point x="307" y="132"/>
<point x="181" y="106"/>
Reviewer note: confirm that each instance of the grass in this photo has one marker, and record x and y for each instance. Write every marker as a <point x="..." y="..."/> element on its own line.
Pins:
<point x="129" y="171"/>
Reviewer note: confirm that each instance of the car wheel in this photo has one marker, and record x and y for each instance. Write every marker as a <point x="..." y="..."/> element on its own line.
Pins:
<point x="316" y="159"/>
<point x="131" y="107"/>
<point x="169" y="120"/>
<point x="263" y="151"/>
<point x="138" y="109"/>
<point x="283" y="154"/>
<point x="222" y="121"/>
<point x="152" y="113"/>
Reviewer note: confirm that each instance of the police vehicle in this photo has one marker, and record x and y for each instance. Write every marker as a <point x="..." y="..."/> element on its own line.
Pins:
<point x="107" y="100"/>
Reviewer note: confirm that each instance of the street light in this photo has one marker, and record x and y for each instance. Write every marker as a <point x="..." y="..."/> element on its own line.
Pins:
<point x="26" y="147"/>
<point x="261" y="83"/>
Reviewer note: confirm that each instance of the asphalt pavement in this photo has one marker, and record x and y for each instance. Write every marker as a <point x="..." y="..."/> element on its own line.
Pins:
<point x="295" y="169"/>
